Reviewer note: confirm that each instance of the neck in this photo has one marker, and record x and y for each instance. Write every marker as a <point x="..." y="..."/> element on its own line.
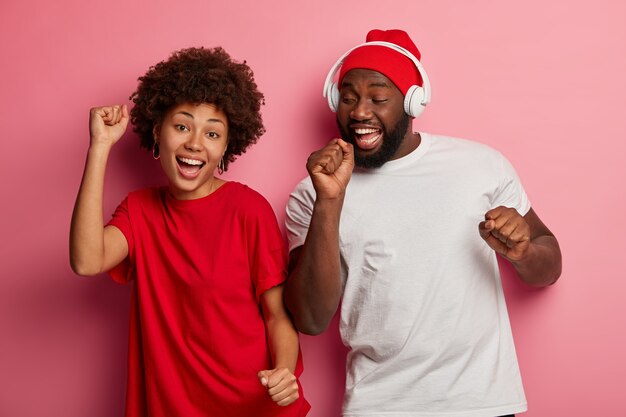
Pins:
<point x="410" y="143"/>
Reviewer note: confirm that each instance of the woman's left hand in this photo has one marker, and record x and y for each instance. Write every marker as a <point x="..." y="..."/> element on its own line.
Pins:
<point x="281" y="385"/>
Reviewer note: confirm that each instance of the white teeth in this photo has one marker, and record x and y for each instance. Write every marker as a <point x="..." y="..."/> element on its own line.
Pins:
<point x="190" y="161"/>
<point x="370" y="140"/>
<point x="365" y="131"/>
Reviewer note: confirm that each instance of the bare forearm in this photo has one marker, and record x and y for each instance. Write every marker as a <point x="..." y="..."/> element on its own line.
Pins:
<point x="280" y="381"/>
<point x="87" y="229"/>
<point x="313" y="289"/>
<point x="542" y="265"/>
<point x="283" y="343"/>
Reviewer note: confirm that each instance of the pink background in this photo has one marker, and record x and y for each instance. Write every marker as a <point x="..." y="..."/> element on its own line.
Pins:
<point x="542" y="81"/>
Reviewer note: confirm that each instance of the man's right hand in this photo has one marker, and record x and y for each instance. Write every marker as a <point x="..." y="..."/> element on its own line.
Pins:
<point x="330" y="169"/>
<point x="107" y="124"/>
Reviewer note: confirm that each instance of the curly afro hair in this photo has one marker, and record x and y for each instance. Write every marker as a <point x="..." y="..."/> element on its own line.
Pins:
<point x="200" y="75"/>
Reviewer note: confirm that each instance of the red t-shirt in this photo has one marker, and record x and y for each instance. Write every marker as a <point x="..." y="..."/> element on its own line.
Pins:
<point x="197" y="336"/>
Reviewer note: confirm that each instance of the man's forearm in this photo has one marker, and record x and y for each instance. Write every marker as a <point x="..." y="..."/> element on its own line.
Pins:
<point x="313" y="289"/>
<point x="542" y="266"/>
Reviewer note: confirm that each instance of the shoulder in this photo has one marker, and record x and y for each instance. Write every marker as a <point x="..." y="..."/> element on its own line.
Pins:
<point x="303" y="195"/>
<point x="245" y="197"/>
<point x="244" y="192"/>
<point x="304" y="187"/>
<point x="466" y="149"/>
<point x="460" y="144"/>
<point x="144" y="196"/>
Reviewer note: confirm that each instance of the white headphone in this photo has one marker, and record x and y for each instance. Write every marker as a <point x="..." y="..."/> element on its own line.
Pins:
<point x="416" y="97"/>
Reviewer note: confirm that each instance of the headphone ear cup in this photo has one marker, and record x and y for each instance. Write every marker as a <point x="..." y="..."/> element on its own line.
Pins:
<point x="333" y="97"/>
<point x="414" y="101"/>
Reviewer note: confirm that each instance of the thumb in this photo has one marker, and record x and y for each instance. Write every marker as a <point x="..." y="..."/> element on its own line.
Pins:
<point x="124" y="111"/>
<point x="347" y="149"/>
<point x="125" y="117"/>
<point x="264" y="377"/>
<point x="485" y="228"/>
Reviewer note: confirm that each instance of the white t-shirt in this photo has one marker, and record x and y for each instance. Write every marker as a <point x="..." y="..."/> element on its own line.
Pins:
<point x="423" y="311"/>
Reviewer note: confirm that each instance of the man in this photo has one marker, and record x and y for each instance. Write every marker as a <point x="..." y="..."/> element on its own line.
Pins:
<point x="413" y="259"/>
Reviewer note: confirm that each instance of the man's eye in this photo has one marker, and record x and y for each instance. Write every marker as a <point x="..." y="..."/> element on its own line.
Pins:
<point x="181" y="128"/>
<point x="379" y="100"/>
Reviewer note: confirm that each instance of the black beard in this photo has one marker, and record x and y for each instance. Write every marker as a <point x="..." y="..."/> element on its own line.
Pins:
<point x="391" y="143"/>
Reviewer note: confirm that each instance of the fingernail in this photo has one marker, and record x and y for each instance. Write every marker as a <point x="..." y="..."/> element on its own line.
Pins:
<point x="264" y="381"/>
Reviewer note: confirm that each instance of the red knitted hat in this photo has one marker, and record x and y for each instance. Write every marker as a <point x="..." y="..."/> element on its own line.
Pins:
<point x="392" y="64"/>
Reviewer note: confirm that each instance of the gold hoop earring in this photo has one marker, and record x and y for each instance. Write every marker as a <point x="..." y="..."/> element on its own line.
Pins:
<point x="156" y="152"/>
<point x="220" y="167"/>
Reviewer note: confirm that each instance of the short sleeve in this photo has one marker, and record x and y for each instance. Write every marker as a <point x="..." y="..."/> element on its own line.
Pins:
<point x="299" y="211"/>
<point x="510" y="192"/>
<point x="122" y="273"/>
<point x="267" y="253"/>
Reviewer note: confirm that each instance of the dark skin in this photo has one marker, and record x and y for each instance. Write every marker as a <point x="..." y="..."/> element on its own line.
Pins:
<point x="370" y="101"/>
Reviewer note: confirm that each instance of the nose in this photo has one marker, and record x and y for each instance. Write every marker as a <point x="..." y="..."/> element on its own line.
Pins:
<point x="361" y="110"/>
<point x="193" y="142"/>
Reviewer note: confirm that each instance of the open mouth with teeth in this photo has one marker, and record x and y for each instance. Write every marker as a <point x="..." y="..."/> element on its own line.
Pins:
<point x="367" y="138"/>
<point x="188" y="167"/>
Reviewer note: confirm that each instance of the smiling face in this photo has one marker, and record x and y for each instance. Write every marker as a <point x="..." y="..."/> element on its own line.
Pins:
<point x="192" y="139"/>
<point x="371" y="116"/>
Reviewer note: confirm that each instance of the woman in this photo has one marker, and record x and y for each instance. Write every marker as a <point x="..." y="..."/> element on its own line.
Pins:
<point x="209" y="335"/>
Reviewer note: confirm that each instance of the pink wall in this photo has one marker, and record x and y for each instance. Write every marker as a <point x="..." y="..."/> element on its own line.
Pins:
<point x="543" y="81"/>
